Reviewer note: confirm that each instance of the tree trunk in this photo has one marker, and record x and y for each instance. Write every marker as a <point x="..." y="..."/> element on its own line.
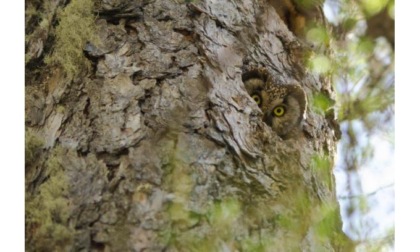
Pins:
<point x="157" y="145"/>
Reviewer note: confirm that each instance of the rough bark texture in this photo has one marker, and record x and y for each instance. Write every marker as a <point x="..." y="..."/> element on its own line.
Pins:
<point x="159" y="146"/>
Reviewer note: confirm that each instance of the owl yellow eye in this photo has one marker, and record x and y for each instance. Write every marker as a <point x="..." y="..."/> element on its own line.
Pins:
<point x="278" y="111"/>
<point x="256" y="98"/>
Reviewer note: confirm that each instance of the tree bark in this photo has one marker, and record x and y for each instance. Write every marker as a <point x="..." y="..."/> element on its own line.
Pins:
<point x="158" y="146"/>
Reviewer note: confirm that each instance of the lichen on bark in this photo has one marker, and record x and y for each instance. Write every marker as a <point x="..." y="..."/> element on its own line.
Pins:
<point x="76" y="27"/>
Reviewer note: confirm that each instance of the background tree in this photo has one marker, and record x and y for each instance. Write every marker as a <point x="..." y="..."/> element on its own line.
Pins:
<point x="141" y="136"/>
<point x="364" y="77"/>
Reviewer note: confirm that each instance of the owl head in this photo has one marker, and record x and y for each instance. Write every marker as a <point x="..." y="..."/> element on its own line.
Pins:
<point x="283" y="106"/>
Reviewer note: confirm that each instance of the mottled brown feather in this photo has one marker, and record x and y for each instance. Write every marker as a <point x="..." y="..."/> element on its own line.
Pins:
<point x="291" y="97"/>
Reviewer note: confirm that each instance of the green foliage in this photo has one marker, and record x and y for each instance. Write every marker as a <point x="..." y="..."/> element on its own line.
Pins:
<point x="326" y="228"/>
<point x="391" y="9"/>
<point x="321" y="103"/>
<point x="47" y="211"/>
<point x="226" y="223"/>
<point x="230" y="223"/>
<point x="322" y="168"/>
<point x="298" y="218"/>
<point x="349" y="23"/>
<point x="307" y="4"/>
<point x="320" y="64"/>
<point x="371" y="7"/>
<point x="329" y="220"/>
<point x="76" y="27"/>
<point x="365" y="46"/>
<point x="363" y="74"/>
<point x="318" y="36"/>
<point x="363" y="69"/>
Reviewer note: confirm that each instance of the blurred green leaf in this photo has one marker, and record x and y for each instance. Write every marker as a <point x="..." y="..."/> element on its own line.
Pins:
<point x="371" y="7"/>
<point x="318" y="36"/>
<point x="320" y="64"/>
<point x="322" y="103"/>
<point x="349" y="23"/>
<point x="366" y="46"/>
<point x="391" y="10"/>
